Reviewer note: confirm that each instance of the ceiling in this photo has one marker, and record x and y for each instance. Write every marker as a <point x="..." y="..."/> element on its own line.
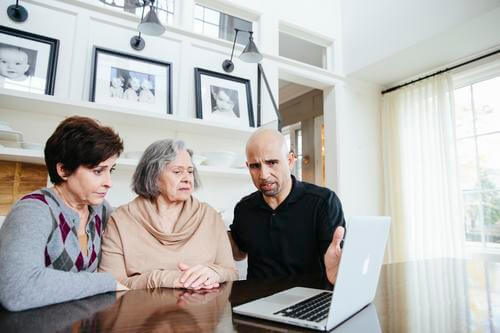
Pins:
<point x="387" y="41"/>
<point x="290" y="90"/>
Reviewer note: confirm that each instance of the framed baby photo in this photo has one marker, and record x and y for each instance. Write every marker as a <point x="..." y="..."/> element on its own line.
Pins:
<point x="28" y="62"/>
<point x="223" y="98"/>
<point x="130" y="81"/>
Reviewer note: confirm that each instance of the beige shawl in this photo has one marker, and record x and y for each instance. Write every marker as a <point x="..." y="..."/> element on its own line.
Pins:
<point x="141" y="254"/>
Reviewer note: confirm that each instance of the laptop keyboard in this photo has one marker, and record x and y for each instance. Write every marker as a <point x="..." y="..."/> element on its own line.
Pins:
<point x="314" y="309"/>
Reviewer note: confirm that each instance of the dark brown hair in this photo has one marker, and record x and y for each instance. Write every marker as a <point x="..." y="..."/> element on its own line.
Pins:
<point x="80" y="141"/>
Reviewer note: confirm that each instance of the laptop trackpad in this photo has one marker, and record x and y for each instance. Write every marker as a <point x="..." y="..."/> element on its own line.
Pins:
<point x="284" y="299"/>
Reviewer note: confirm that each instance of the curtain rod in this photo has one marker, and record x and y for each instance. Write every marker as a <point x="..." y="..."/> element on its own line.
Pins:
<point x="441" y="71"/>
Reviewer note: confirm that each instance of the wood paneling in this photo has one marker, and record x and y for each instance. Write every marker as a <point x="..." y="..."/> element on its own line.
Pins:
<point x="18" y="179"/>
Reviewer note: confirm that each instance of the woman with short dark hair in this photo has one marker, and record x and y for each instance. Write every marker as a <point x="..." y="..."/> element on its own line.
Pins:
<point x="50" y="241"/>
<point x="166" y="237"/>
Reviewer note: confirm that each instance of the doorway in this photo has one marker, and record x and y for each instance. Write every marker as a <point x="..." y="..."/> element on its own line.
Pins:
<point x="301" y="108"/>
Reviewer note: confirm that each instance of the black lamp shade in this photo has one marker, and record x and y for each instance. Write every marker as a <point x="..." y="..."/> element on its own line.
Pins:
<point x="251" y="53"/>
<point x="151" y="25"/>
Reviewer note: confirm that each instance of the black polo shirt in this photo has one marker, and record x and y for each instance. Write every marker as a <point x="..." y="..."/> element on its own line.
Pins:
<point x="291" y="239"/>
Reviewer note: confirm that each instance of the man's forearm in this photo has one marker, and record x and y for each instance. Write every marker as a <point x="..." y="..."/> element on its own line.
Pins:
<point x="237" y="253"/>
<point x="331" y="271"/>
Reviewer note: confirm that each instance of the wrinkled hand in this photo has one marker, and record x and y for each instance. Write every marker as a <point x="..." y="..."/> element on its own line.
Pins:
<point x="333" y="255"/>
<point x="197" y="277"/>
<point x="196" y="297"/>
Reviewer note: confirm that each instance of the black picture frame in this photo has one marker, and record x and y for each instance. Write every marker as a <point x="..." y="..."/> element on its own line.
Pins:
<point x="138" y="67"/>
<point x="46" y="61"/>
<point x="232" y="89"/>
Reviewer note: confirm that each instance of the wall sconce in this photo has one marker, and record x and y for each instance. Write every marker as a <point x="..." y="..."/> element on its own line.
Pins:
<point x="251" y="54"/>
<point x="149" y="25"/>
<point x="17" y="13"/>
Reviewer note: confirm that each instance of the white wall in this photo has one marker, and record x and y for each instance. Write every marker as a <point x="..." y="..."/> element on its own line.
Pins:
<point x="375" y="30"/>
<point x="359" y="153"/>
<point x="320" y="16"/>
<point x="458" y="44"/>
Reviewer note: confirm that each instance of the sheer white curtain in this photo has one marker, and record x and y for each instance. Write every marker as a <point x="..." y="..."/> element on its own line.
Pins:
<point x="421" y="183"/>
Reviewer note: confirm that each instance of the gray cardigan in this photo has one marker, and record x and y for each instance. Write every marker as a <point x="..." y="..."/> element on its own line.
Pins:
<point x="40" y="258"/>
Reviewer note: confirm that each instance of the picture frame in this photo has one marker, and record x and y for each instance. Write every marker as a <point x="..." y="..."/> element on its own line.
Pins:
<point x="130" y="81"/>
<point x="223" y="98"/>
<point x="28" y="61"/>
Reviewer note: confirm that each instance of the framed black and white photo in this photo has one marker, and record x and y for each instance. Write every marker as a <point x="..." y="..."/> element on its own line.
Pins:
<point x="28" y="62"/>
<point x="223" y="98"/>
<point x="130" y="81"/>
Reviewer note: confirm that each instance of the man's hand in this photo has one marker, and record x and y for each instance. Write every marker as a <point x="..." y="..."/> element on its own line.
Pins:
<point x="197" y="277"/>
<point x="333" y="254"/>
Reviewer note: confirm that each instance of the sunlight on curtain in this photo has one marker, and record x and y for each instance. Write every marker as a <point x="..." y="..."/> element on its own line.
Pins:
<point x="422" y="192"/>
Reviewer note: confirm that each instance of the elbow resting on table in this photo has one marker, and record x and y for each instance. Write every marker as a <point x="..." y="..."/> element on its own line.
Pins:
<point x="14" y="301"/>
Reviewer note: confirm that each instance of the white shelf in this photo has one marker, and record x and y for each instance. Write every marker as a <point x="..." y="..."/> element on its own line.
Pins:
<point x="21" y="155"/>
<point x="36" y="157"/>
<point x="28" y="102"/>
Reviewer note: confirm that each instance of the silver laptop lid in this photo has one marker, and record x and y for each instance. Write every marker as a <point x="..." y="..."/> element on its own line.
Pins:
<point x="362" y="258"/>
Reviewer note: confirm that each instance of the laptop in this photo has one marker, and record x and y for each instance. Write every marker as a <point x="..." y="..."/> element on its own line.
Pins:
<point x="364" y="321"/>
<point x="357" y="280"/>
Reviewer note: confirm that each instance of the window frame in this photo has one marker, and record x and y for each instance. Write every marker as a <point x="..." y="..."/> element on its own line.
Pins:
<point x="292" y="130"/>
<point x="240" y="13"/>
<point x="314" y="38"/>
<point x="468" y="77"/>
<point x="138" y="15"/>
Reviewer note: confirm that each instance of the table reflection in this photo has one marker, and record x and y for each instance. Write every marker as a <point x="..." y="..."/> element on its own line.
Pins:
<point x="56" y="318"/>
<point x="168" y="310"/>
<point x="444" y="295"/>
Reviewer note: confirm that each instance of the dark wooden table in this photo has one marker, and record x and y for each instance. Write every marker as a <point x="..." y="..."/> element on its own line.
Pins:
<point x="445" y="295"/>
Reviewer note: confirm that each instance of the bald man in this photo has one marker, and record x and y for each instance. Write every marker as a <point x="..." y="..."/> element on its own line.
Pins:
<point x="287" y="227"/>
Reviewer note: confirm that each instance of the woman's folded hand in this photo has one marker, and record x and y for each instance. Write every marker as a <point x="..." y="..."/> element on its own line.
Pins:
<point x="197" y="277"/>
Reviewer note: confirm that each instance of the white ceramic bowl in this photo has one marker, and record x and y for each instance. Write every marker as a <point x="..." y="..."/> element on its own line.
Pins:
<point x="135" y="155"/>
<point x="10" y="144"/>
<point x="239" y="162"/>
<point x="31" y="145"/>
<point x="198" y="159"/>
<point x="220" y="158"/>
<point x="4" y="126"/>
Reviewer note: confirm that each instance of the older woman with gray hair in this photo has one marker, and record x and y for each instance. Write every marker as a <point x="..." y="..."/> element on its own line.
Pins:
<point x="165" y="237"/>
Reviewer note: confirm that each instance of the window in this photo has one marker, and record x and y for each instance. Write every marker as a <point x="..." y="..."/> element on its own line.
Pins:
<point x="289" y="44"/>
<point x="216" y="24"/>
<point x="165" y="12"/>
<point x="477" y="108"/>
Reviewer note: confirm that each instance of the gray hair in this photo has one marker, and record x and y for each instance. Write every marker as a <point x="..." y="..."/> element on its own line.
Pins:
<point x="154" y="159"/>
